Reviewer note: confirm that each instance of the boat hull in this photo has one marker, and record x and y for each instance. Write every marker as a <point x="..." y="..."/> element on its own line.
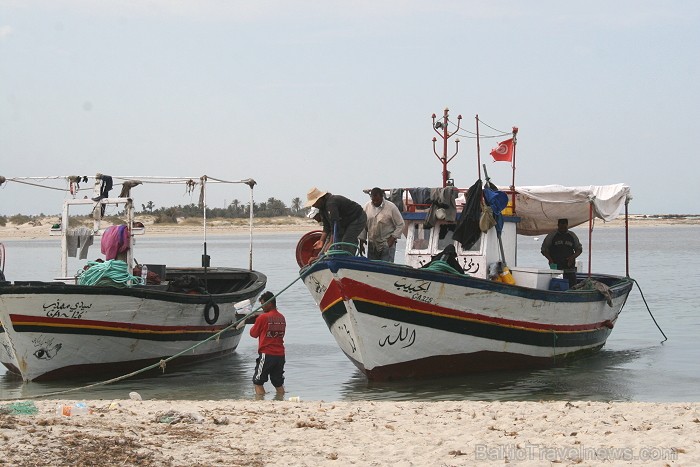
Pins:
<point x="57" y="331"/>
<point x="397" y="322"/>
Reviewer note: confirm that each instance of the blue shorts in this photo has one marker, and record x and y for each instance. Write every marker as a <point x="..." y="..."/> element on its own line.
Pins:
<point x="271" y="366"/>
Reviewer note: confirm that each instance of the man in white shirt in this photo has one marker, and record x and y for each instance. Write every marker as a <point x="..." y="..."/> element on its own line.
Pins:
<point x="384" y="227"/>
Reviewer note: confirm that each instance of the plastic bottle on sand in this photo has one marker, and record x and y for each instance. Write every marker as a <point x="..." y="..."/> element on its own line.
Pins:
<point x="79" y="408"/>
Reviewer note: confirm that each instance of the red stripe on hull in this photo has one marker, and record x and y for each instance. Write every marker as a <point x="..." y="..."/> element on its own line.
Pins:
<point x="25" y="320"/>
<point x="333" y="294"/>
<point x="357" y="290"/>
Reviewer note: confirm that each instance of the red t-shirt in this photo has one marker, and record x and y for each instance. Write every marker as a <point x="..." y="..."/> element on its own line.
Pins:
<point x="269" y="328"/>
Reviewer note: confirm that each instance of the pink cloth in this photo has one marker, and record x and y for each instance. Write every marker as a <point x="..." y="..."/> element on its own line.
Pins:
<point x="115" y="240"/>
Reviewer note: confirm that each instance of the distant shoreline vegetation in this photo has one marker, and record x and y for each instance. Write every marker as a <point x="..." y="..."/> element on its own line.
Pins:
<point x="272" y="208"/>
<point x="170" y="215"/>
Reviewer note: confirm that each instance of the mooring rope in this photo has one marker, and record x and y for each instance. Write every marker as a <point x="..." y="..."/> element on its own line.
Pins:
<point x="649" y="310"/>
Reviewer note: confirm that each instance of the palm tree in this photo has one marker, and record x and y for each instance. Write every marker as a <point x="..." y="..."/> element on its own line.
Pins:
<point x="236" y="204"/>
<point x="148" y="206"/>
<point x="296" y="205"/>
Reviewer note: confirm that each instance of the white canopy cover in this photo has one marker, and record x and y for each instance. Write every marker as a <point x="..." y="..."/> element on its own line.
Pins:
<point x="539" y="207"/>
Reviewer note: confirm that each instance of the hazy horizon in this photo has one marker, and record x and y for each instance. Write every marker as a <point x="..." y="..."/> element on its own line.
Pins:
<point x="340" y="95"/>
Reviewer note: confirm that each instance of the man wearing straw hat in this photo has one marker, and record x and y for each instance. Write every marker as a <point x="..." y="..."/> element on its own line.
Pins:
<point x="343" y="220"/>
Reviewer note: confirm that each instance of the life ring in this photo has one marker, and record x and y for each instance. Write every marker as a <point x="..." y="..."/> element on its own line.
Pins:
<point x="209" y="306"/>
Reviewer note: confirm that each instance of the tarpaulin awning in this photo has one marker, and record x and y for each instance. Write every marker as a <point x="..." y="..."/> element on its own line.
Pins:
<point x="539" y="207"/>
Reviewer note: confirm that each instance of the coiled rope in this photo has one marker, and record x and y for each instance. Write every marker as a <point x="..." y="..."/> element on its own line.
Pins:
<point x="335" y="249"/>
<point x="114" y="270"/>
<point x="440" y="265"/>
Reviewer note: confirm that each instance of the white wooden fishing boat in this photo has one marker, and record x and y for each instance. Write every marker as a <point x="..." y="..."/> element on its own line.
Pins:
<point x="6" y="354"/>
<point x="65" y="328"/>
<point x="398" y="321"/>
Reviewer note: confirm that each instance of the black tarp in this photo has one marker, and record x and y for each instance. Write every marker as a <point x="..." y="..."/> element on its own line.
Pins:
<point x="468" y="232"/>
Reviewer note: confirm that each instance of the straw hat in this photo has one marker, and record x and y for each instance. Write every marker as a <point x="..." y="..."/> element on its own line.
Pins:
<point x="313" y="195"/>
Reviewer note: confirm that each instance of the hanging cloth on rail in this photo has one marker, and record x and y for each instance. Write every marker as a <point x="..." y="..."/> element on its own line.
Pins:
<point x="105" y="187"/>
<point x="467" y="232"/>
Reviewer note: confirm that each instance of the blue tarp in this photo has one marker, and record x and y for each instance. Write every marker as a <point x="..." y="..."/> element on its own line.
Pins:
<point x="497" y="201"/>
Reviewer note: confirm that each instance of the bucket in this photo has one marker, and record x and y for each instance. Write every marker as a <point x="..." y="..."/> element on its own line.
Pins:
<point x="508" y="210"/>
<point x="305" y="247"/>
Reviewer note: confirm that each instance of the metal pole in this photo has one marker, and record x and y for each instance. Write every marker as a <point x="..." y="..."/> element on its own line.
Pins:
<point x="478" y="147"/>
<point x="250" y="248"/>
<point x="590" y="235"/>
<point x="64" y="241"/>
<point x="205" y="255"/>
<point x="627" y="237"/>
<point x="444" y="147"/>
<point x="512" y="186"/>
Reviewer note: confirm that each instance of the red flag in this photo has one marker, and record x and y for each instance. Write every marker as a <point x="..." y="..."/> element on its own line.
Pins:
<point x="504" y="151"/>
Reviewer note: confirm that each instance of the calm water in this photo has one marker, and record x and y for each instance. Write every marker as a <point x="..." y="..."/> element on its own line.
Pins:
<point x="633" y="366"/>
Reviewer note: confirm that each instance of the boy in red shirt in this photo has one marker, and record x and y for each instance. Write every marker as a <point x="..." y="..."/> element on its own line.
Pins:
<point x="269" y="328"/>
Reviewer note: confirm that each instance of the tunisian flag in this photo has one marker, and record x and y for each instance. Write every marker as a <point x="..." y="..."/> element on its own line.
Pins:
<point x="504" y="151"/>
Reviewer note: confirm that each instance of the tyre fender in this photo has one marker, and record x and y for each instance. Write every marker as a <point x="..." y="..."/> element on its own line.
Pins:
<point x="207" y="312"/>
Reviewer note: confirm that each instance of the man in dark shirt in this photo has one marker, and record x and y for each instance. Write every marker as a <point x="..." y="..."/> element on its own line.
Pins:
<point x="343" y="220"/>
<point x="269" y="328"/>
<point x="561" y="248"/>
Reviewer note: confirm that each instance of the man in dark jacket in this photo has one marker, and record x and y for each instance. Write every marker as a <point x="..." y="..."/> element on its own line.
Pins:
<point x="561" y="248"/>
<point x="343" y="220"/>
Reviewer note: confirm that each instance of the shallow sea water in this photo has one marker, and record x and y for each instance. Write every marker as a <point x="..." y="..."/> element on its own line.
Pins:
<point x="633" y="366"/>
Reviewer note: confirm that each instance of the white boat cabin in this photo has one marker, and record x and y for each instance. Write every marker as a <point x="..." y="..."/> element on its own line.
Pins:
<point x="541" y="207"/>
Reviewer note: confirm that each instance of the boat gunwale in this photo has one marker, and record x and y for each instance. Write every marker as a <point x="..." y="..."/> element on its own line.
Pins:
<point x="257" y="281"/>
<point x="622" y="284"/>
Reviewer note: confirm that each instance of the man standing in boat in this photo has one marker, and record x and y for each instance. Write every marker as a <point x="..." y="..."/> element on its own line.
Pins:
<point x="561" y="248"/>
<point x="343" y="220"/>
<point x="384" y="227"/>
<point x="269" y="328"/>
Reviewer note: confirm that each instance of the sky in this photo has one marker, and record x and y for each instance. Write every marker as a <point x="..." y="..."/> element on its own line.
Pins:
<point x="339" y="95"/>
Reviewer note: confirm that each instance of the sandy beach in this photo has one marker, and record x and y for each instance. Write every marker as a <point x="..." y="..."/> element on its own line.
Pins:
<point x="41" y="229"/>
<point x="310" y="433"/>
